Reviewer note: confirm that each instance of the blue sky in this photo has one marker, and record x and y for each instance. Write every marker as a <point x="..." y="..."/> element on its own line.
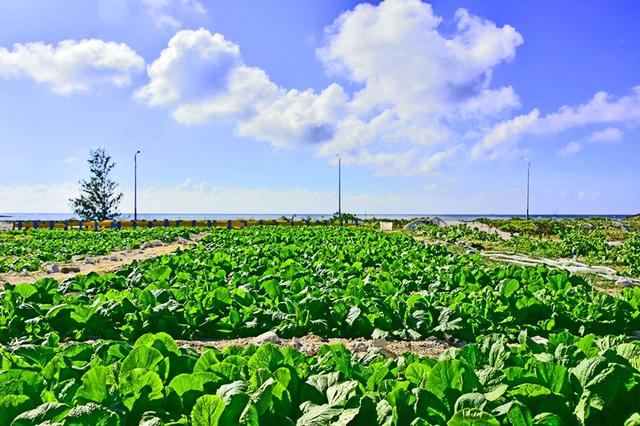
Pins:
<point x="242" y="106"/>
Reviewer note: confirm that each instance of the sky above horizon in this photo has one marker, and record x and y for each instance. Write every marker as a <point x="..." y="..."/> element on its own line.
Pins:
<point x="243" y="106"/>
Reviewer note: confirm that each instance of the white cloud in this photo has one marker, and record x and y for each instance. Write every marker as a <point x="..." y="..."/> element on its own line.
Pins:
<point x="195" y="64"/>
<point x="43" y="198"/>
<point x="397" y="53"/>
<point x="501" y="140"/>
<point x="387" y="124"/>
<point x="165" y="12"/>
<point x="608" y="135"/>
<point x="72" y="66"/>
<point x="202" y="76"/>
<point x="602" y="108"/>
<point x="202" y="197"/>
<point x="296" y="117"/>
<point x="490" y="103"/>
<point x="570" y="149"/>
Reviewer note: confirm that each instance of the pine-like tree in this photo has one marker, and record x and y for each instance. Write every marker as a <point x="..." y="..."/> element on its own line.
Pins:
<point x="98" y="198"/>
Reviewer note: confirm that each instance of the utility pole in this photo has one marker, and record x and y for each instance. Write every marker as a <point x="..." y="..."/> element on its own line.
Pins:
<point x="528" y="174"/>
<point x="339" y="190"/>
<point x="135" y="185"/>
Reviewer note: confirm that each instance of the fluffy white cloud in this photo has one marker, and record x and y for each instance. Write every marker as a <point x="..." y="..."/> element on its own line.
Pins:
<point x="165" y="12"/>
<point x="501" y="140"/>
<point x="195" y="64"/>
<point x="397" y="53"/>
<point x="72" y="66"/>
<point x="416" y="87"/>
<point x="570" y="149"/>
<point x="202" y="76"/>
<point x="603" y="108"/>
<point x="608" y="135"/>
<point x="297" y="117"/>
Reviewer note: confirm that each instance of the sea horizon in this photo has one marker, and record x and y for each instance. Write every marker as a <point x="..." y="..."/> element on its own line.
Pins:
<point x="9" y="216"/>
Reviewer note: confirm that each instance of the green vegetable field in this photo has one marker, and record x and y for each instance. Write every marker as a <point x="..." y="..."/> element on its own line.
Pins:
<point x="529" y="346"/>
<point x="28" y="250"/>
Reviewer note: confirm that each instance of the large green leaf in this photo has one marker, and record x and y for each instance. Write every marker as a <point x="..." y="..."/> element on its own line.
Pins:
<point x="137" y="383"/>
<point x="160" y="341"/>
<point x="472" y="417"/>
<point x="91" y="414"/>
<point x="340" y="393"/>
<point x="207" y="411"/>
<point x="97" y="383"/>
<point x="11" y="405"/>
<point x="451" y="374"/>
<point x="142" y="357"/>
<point x="50" y="411"/>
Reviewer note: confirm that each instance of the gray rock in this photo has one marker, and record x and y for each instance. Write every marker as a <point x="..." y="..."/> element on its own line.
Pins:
<point x="90" y="261"/>
<point x="624" y="282"/>
<point x="360" y="346"/>
<point x="114" y="258"/>
<point x="268" y="337"/>
<point x="309" y="349"/>
<point x="296" y="344"/>
<point x="55" y="268"/>
<point x="69" y="269"/>
<point x="471" y="251"/>
<point x="379" y="343"/>
<point x="181" y="240"/>
<point x="149" y="244"/>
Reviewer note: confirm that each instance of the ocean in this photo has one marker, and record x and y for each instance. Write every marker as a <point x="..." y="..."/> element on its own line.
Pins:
<point x="313" y="216"/>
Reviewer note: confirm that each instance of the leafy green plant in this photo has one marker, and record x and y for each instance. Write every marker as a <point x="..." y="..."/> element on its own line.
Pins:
<point x="570" y="380"/>
<point x="328" y="281"/>
<point x="28" y="250"/>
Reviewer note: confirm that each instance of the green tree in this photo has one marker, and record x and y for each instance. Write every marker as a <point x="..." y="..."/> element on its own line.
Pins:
<point x="98" y="198"/>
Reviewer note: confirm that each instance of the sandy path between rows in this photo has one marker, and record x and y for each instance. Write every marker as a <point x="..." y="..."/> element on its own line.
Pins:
<point x="310" y="344"/>
<point x="100" y="264"/>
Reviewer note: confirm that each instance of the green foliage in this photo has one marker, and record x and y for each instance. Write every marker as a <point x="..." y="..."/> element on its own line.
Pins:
<point x="456" y="233"/>
<point x="596" y="240"/>
<point x="333" y="282"/>
<point x="630" y="254"/>
<point x="569" y="381"/>
<point x="98" y="199"/>
<point x="28" y="250"/>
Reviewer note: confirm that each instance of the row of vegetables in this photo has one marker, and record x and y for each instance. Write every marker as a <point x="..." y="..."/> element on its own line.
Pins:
<point x="589" y="240"/>
<point x="568" y="381"/>
<point x="30" y="250"/>
<point x="326" y="281"/>
<point x="543" y="347"/>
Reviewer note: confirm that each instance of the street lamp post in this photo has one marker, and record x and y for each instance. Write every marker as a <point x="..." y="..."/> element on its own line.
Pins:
<point x="528" y="173"/>
<point x="339" y="190"/>
<point x="135" y="185"/>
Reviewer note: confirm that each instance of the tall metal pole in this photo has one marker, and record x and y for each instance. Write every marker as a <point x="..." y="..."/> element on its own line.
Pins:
<point x="135" y="185"/>
<point x="528" y="173"/>
<point x="339" y="190"/>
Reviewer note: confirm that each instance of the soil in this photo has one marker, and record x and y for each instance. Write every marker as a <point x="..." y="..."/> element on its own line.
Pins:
<point x="99" y="264"/>
<point x="310" y="344"/>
